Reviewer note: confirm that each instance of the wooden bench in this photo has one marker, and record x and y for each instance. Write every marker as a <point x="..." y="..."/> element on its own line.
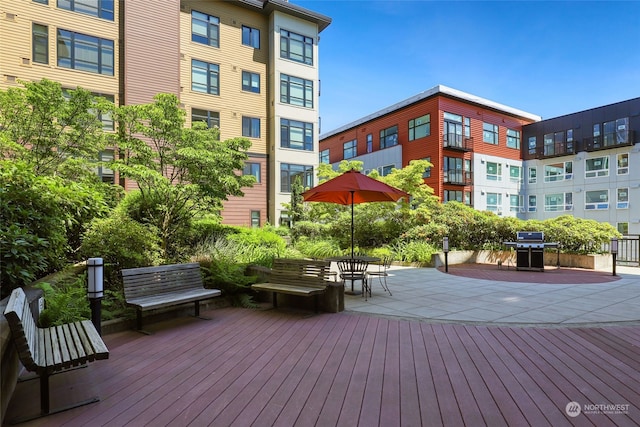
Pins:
<point x="46" y="351"/>
<point x="149" y="288"/>
<point x="306" y="278"/>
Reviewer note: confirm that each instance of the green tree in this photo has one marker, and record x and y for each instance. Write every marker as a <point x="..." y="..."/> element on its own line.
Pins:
<point x="296" y="211"/>
<point x="181" y="172"/>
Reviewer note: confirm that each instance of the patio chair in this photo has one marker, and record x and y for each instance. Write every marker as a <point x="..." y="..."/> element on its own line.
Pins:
<point x="381" y="273"/>
<point x="354" y="270"/>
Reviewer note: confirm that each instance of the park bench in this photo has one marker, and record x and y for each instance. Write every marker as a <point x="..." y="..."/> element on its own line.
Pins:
<point x="150" y="288"/>
<point x="305" y="278"/>
<point x="46" y="351"/>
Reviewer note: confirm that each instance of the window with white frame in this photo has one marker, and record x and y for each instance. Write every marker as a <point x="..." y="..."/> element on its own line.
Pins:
<point x="494" y="203"/>
<point x="513" y="138"/>
<point x="515" y="173"/>
<point x="596" y="199"/>
<point x="350" y="149"/>
<point x="558" y="202"/>
<point x="385" y="170"/>
<point x="533" y="175"/>
<point x="558" y="171"/>
<point x="623" y="164"/>
<point x="516" y="203"/>
<point x="494" y="171"/>
<point x="596" y="167"/>
<point x="533" y="202"/>
<point x="623" y="198"/>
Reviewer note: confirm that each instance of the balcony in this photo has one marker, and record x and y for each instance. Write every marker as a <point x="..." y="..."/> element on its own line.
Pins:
<point x="457" y="177"/>
<point x="612" y="140"/>
<point x="454" y="141"/>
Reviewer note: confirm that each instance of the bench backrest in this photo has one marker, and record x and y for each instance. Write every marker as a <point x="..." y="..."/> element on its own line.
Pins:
<point x="23" y="328"/>
<point x="300" y="272"/>
<point x="145" y="281"/>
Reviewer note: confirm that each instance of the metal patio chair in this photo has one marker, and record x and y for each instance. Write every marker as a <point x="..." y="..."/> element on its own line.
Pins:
<point x="381" y="273"/>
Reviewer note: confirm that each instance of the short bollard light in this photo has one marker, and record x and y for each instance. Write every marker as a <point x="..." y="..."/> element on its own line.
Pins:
<point x="445" y="249"/>
<point x="614" y="252"/>
<point x="95" y="278"/>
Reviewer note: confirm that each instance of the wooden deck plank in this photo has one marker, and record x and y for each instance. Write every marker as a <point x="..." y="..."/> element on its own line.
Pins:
<point x="428" y="409"/>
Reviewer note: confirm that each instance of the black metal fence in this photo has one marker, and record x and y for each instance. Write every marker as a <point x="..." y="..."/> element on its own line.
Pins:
<point x="628" y="250"/>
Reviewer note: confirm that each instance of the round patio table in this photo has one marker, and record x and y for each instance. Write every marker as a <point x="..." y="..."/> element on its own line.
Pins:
<point x="365" y="258"/>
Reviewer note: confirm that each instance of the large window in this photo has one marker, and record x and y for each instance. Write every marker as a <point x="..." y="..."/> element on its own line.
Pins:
<point x="205" y="77"/>
<point x="516" y="203"/>
<point x="296" y="47"/>
<point x="623" y="198"/>
<point x="251" y="37"/>
<point x="598" y="166"/>
<point x="350" y="149"/>
<point x="100" y="8"/>
<point x="389" y="137"/>
<point x="296" y="91"/>
<point x="557" y="202"/>
<point x="324" y="156"/>
<point x="623" y="163"/>
<point x="615" y="132"/>
<point x="494" y="171"/>
<point x="598" y="199"/>
<point x="494" y="203"/>
<point x="490" y="133"/>
<point x="40" y="44"/>
<point x="454" y="172"/>
<point x="452" y="132"/>
<point x="296" y="134"/>
<point x="558" y="171"/>
<point x="453" y="196"/>
<point x="515" y="173"/>
<point x="420" y="127"/>
<point x="250" y="82"/>
<point x="205" y="29"/>
<point x="211" y="118"/>
<point x="252" y="169"/>
<point x="513" y="138"/>
<point x="251" y="127"/>
<point x="85" y="53"/>
<point x="288" y="173"/>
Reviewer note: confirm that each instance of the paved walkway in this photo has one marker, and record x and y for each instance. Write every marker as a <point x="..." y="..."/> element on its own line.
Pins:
<point x="461" y="296"/>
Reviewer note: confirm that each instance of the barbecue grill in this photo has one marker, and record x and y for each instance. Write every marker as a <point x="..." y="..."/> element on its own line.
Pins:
<point x="529" y="248"/>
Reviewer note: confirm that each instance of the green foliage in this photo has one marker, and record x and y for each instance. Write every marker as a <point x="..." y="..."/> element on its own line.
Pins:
<point x="578" y="235"/>
<point x="312" y="230"/>
<point x="414" y="251"/>
<point x="225" y="274"/>
<point x="65" y="302"/>
<point x="318" y="249"/>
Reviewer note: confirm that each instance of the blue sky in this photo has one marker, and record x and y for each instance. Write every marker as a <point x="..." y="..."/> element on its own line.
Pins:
<point x="545" y="57"/>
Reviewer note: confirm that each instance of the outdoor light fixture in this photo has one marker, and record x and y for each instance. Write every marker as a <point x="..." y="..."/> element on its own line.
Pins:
<point x="95" y="291"/>
<point x="614" y="252"/>
<point x="445" y="249"/>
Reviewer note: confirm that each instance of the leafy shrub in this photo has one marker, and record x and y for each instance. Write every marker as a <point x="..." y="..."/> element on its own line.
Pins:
<point x="312" y="230"/>
<point x="318" y="249"/>
<point x="414" y="251"/>
<point x="225" y="274"/>
<point x="65" y="302"/>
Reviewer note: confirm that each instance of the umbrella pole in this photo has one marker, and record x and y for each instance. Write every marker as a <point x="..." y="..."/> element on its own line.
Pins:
<point x="352" y="227"/>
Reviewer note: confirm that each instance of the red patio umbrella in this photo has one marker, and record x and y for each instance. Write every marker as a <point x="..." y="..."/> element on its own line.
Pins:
<point x="350" y="188"/>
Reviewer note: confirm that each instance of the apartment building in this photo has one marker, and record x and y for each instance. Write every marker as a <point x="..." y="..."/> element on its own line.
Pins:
<point x="249" y="67"/>
<point x="500" y="159"/>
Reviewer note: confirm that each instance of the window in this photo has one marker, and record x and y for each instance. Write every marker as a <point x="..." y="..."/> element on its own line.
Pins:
<point x="85" y="53"/>
<point x="597" y="141"/>
<point x="558" y="202"/>
<point x="296" y="91"/>
<point x="104" y="116"/>
<point x="532" y="144"/>
<point x="106" y="174"/>
<point x="623" y="227"/>
<point x="40" y="44"/>
<point x="250" y="82"/>
<point x="369" y="142"/>
<point x="205" y="29"/>
<point x="289" y="172"/>
<point x="513" y="138"/>
<point x="452" y="132"/>
<point x="427" y="170"/>
<point x="569" y="145"/>
<point x="515" y="174"/>
<point x="100" y="8"/>
<point x="252" y="169"/>
<point x="389" y="137"/>
<point x="516" y="203"/>
<point x="205" y="77"/>
<point x="558" y="171"/>
<point x="350" y="149"/>
<point x="251" y="37"/>
<point x="295" y="134"/>
<point x="454" y="172"/>
<point x="533" y="201"/>
<point x="598" y="199"/>
<point x="494" y="171"/>
<point x="467" y="127"/>
<point x="490" y="133"/>
<point x="420" y="127"/>
<point x="533" y="175"/>
<point x="41" y="1"/>
<point x="623" y="163"/>
<point x="251" y="127"/>
<point x="385" y="170"/>
<point x="255" y="219"/>
<point x="324" y="156"/>
<point x="453" y="196"/>
<point x="494" y="203"/>
<point x="549" y="148"/>
<point x="558" y="141"/>
<point x="623" y="198"/>
<point x="296" y="47"/>
<point x="598" y="166"/>
<point x="211" y="118"/>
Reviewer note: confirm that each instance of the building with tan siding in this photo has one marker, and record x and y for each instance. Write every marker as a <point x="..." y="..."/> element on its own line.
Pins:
<point x="247" y="66"/>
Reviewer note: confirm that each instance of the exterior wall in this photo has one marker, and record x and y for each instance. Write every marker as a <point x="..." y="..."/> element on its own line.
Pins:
<point x="16" y="62"/>
<point x="278" y="110"/>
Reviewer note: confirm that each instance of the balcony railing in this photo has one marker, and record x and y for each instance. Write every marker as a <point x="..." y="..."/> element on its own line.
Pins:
<point x="458" y="177"/>
<point x="454" y="141"/>
<point x="602" y="142"/>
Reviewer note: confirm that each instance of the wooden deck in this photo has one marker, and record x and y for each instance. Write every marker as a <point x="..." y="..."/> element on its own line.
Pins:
<point x="273" y="368"/>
